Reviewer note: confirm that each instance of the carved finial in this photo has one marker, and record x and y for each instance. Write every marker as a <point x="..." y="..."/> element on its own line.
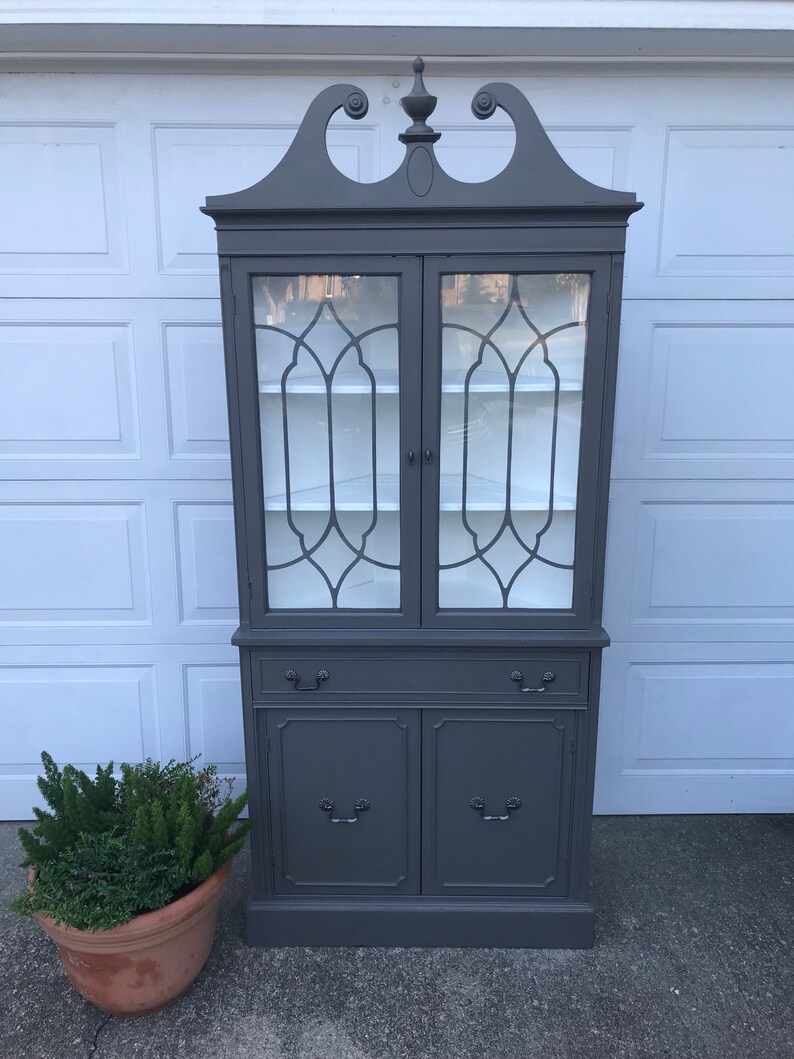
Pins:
<point x="419" y="105"/>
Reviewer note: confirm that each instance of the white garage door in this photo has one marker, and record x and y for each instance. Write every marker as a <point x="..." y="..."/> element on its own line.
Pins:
<point x="117" y="590"/>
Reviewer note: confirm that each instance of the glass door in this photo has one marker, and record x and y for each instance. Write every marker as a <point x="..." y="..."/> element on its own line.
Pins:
<point x="332" y="356"/>
<point x="506" y="402"/>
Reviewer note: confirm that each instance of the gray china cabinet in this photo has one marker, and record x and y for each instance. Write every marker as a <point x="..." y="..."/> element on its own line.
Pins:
<point x="421" y="379"/>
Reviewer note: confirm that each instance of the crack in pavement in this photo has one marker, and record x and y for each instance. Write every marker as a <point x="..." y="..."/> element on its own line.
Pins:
<point x="100" y="1027"/>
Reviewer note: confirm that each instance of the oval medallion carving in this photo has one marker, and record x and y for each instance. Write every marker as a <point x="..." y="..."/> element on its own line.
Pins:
<point x="420" y="171"/>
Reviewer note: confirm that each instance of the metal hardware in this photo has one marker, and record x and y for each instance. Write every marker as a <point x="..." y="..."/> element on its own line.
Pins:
<point x="518" y="677"/>
<point x="478" y="804"/>
<point x="361" y="805"/>
<point x="410" y="456"/>
<point x="428" y="456"/>
<point x="322" y="674"/>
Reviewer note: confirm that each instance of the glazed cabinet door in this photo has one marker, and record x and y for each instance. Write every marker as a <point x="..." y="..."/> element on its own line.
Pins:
<point x="328" y="360"/>
<point x="497" y="790"/>
<point x="513" y="392"/>
<point x="344" y="800"/>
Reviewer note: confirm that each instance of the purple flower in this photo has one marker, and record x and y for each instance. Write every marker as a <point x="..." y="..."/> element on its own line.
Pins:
<point x="103" y="893"/>
<point x="90" y="876"/>
<point x="75" y="873"/>
<point x="71" y="886"/>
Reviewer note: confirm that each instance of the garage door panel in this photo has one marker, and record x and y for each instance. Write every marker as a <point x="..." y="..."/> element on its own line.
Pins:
<point x="700" y="561"/>
<point x="117" y="562"/>
<point x="705" y="391"/>
<point x="84" y="714"/>
<point x="195" y="160"/>
<point x="215" y="717"/>
<point x="471" y="151"/>
<point x="73" y="563"/>
<point x="725" y="194"/>
<point x="206" y="562"/>
<point x="198" y="427"/>
<point x="112" y="389"/>
<point x="683" y="729"/>
<point x="67" y="390"/>
<point x="91" y="704"/>
<point x="65" y="182"/>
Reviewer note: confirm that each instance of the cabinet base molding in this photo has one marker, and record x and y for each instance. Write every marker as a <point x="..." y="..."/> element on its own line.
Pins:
<point x="420" y="922"/>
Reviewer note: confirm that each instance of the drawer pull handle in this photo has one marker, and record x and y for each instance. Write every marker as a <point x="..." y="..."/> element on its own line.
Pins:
<point x="361" y="805"/>
<point x="322" y="675"/>
<point x="518" y="677"/>
<point x="478" y="804"/>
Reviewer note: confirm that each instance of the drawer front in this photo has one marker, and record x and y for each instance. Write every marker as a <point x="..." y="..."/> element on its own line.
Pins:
<point x="497" y="795"/>
<point x="344" y="792"/>
<point x="515" y="678"/>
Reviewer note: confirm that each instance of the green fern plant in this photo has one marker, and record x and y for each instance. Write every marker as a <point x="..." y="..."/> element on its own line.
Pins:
<point x="109" y="849"/>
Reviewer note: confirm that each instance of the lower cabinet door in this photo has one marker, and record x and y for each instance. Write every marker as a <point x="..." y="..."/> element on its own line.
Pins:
<point x="497" y="800"/>
<point x="344" y="794"/>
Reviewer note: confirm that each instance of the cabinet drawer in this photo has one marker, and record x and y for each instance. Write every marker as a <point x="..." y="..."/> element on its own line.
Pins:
<point x="497" y="791"/>
<point x="344" y="792"/>
<point x="518" y="678"/>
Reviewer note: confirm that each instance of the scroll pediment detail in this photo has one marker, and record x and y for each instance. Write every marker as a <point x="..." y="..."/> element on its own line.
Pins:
<point x="536" y="177"/>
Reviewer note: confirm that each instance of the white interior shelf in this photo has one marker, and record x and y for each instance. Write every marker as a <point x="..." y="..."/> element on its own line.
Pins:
<point x="344" y="382"/>
<point x="355" y="494"/>
<point x="388" y="382"/>
<point x="495" y="382"/>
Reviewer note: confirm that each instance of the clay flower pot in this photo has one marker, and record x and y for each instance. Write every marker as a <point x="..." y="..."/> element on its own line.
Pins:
<point x="146" y="964"/>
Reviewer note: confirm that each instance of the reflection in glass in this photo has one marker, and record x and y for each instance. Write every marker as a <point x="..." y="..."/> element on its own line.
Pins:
<point x="513" y="348"/>
<point x="327" y="367"/>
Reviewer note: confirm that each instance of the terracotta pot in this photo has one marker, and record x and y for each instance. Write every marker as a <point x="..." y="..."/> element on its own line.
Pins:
<point x="148" y="963"/>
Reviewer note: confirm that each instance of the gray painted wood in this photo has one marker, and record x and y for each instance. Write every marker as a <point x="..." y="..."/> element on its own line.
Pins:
<point x="344" y="791"/>
<point x="421" y="682"/>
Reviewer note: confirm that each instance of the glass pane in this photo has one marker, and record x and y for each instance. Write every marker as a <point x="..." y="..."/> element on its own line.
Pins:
<point x="513" y="347"/>
<point x="327" y="367"/>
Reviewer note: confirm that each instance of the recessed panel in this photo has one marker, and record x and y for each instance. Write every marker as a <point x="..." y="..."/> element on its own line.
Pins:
<point x="215" y="718"/>
<point x="66" y="390"/>
<point x="496" y="790"/>
<point x="696" y="728"/>
<point x="704" y="391"/>
<point x="206" y="556"/>
<point x="198" y="424"/>
<point x="80" y="714"/>
<point x="344" y="790"/>
<point x="723" y="390"/>
<point x="64" y="182"/>
<point x="194" y="161"/>
<point x="726" y="206"/>
<point x="707" y="717"/>
<point x="73" y="563"/>
<point x="478" y="151"/>
<point x="721" y="560"/>
<point x="600" y="155"/>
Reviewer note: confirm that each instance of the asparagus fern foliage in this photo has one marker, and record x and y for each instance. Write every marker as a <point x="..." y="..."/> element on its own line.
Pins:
<point x="110" y="849"/>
